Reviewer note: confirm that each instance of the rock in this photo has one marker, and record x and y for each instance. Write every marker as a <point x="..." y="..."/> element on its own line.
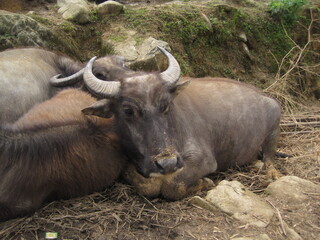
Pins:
<point x="202" y="203"/>
<point x="256" y="237"/>
<point x="74" y="10"/>
<point x="135" y="2"/>
<point x="20" y="30"/>
<point x="207" y="21"/>
<point x="140" y="54"/>
<point x="292" y="189"/>
<point x="109" y="7"/>
<point x="291" y="234"/>
<point x="247" y="51"/>
<point x="258" y="164"/>
<point x="149" y="57"/>
<point x="234" y="199"/>
<point x="243" y="37"/>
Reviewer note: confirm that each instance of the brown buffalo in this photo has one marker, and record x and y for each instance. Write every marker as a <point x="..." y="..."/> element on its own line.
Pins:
<point x="177" y="132"/>
<point x="53" y="152"/>
<point x="25" y="77"/>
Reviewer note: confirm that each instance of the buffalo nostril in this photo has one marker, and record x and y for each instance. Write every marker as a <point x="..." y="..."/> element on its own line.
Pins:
<point x="167" y="165"/>
<point x="143" y="172"/>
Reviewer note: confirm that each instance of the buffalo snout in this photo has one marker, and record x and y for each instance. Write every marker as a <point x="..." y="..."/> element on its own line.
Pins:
<point x="168" y="161"/>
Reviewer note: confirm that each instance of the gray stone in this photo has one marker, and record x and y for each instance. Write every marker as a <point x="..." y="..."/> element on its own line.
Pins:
<point x="31" y="13"/>
<point x="74" y="10"/>
<point x="256" y="237"/>
<point x="202" y="203"/>
<point x="243" y="37"/>
<point x="290" y="233"/>
<point x="258" y="164"/>
<point x="20" y="30"/>
<point x="247" y="51"/>
<point x="292" y="189"/>
<point x="234" y="199"/>
<point x="140" y="54"/>
<point x="149" y="57"/>
<point x="109" y="7"/>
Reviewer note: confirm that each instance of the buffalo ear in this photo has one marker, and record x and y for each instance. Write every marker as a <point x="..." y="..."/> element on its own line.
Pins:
<point x="100" y="108"/>
<point x="177" y="88"/>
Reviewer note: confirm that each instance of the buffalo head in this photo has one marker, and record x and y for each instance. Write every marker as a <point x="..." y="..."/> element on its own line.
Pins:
<point x="141" y="104"/>
<point x="105" y="68"/>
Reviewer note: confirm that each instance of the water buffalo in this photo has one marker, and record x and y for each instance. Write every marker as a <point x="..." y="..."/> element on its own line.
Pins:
<point x="53" y="152"/>
<point x="25" y="77"/>
<point x="177" y="132"/>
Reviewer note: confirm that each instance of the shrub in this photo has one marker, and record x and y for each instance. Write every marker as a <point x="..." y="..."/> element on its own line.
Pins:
<point x="286" y="10"/>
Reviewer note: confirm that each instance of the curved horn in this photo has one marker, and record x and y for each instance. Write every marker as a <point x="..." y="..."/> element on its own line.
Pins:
<point x="62" y="82"/>
<point x="172" y="74"/>
<point x="107" y="89"/>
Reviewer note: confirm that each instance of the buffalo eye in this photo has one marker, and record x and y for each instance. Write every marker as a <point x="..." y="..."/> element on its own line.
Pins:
<point x="165" y="109"/>
<point x="164" y="106"/>
<point x="128" y="112"/>
<point x="101" y="76"/>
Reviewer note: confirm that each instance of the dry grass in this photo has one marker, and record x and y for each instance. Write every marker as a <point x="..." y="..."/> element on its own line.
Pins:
<point x="300" y="136"/>
<point x="295" y="71"/>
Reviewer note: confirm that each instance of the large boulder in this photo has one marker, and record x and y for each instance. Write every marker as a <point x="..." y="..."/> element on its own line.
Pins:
<point x="20" y="30"/>
<point x="109" y="8"/>
<point x="256" y="237"/>
<point x="292" y="189"/>
<point x="140" y="53"/>
<point x="74" y="10"/>
<point x="237" y="201"/>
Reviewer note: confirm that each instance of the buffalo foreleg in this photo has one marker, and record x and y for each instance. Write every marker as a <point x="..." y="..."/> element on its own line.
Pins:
<point x="149" y="187"/>
<point x="9" y="212"/>
<point x="191" y="178"/>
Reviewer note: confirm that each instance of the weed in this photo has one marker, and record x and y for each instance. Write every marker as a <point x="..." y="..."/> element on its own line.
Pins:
<point x="41" y="20"/>
<point x="138" y="19"/>
<point x="117" y="38"/>
<point x="286" y="10"/>
<point x="93" y="16"/>
<point x="185" y="25"/>
<point x="67" y="27"/>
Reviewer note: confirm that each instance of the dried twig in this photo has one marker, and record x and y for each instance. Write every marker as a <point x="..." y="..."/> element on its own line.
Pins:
<point x="292" y="67"/>
<point x="279" y="217"/>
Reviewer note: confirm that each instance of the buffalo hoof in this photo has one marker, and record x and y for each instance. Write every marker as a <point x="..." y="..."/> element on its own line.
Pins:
<point x="272" y="173"/>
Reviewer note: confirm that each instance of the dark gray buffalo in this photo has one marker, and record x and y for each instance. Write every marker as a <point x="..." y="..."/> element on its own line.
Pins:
<point x="177" y="132"/>
<point x="54" y="151"/>
<point x="25" y="77"/>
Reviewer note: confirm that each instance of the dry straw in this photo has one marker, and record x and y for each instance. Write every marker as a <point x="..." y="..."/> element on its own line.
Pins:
<point x="290" y="86"/>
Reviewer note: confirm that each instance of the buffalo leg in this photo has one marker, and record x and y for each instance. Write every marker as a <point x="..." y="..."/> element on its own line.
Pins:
<point x="170" y="186"/>
<point x="177" y="189"/>
<point x="268" y="151"/>
<point x="19" y="207"/>
<point x="149" y="187"/>
<point x="191" y="178"/>
<point x="7" y="213"/>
